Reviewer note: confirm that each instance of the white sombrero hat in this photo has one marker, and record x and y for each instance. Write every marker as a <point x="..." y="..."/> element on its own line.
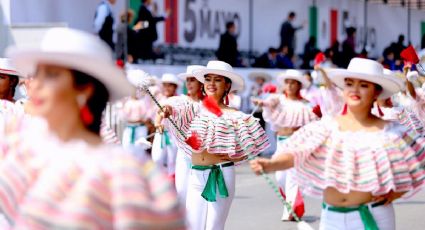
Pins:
<point x="6" y="67"/>
<point x="170" y="78"/>
<point x="223" y="69"/>
<point x="294" y="75"/>
<point x="259" y="74"/>
<point x="396" y="76"/>
<point x="76" y="50"/>
<point x="368" y="70"/>
<point x="190" y="71"/>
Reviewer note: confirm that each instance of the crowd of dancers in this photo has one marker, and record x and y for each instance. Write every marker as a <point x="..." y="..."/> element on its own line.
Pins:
<point x="356" y="142"/>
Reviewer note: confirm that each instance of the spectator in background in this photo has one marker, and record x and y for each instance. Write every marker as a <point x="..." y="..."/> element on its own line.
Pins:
<point x="146" y="30"/>
<point x="287" y="33"/>
<point x="335" y="54"/>
<point x="228" y="47"/>
<point x="284" y="59"/>
<point x="399" y="46"/>
<point x="349" y="47"/>
<point x="267" y="60"/>
<point x="389" y="58"/>
<point x="104" y="22"/>
<point x="310" y="52"/>
<point x="125" y="33"/>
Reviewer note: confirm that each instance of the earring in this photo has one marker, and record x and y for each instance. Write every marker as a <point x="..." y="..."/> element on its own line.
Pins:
<point x="344" y="110"/>
<point x="85" y="113"/>
<point x="381" y="114"/>
<point x="226" y="100"/>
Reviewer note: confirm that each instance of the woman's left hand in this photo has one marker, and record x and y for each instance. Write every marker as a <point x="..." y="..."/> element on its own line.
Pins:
<point x="389" y="197"/>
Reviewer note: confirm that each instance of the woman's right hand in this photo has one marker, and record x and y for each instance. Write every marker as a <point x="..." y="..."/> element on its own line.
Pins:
<point x="259" y="165"/>
<point x="258" y="102"/>
<point x="165" y="113"/>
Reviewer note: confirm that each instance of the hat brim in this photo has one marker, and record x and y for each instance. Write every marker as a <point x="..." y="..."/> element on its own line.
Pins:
<point x="184" y="76"/>
<point x="9" y="72"/>
<point x="389" y="87"/>
<point x="237" y="81"/>
<point x="253" y="75"/>
<point x="114" y="79"/>
<point x="303" y="80"/>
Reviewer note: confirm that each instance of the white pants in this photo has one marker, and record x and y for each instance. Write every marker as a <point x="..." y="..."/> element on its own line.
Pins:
<point x="183" y="163"/>
<point x="204" y="215"/>
<point x="384" y="217"/>
<point x="164" y="155"/>
<point x="139" y="131"/>
<point x="286" y="179"/>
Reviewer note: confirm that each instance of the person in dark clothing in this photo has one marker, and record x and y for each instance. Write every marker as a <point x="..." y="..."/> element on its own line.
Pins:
<point x="423" y="42"/>
<point x="287" y="33"/>
<point x="399" y="46"/>
<point x="310" y="52"/>
<point x="228" y="48"/>
<point x="104" y="21"/>
<point x="267" y="60"/>
<point x="284" y="59"/>
<point x="146" y="30"/>
<point x="349" y="47"/>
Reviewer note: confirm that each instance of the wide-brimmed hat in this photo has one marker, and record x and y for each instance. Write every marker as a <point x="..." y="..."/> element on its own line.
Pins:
<point x="190" y="71"/>
<point x="294" y="75"/>
<point x="170" y="78"/>
<point x="223" y="69"/>
<point x="6" y="67"/>
<point x="396" y="76"/>
<point x="367" y="70"/>
<point x="75" y="50"/>
<point x="259" y="74"/>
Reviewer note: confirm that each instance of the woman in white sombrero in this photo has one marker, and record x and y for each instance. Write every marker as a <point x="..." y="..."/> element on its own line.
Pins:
<point x="9" y="79"/>
<point x="56" y="172"/>
<point x="356" y="162"/>
<point x="164" y="149"/>
<point x="226" y="136"/>
<point x="194" y="95"/>
<point x="286" y="113"/>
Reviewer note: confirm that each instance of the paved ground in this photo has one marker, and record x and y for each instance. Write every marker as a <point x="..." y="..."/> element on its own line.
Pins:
<point x="257" y="207"/>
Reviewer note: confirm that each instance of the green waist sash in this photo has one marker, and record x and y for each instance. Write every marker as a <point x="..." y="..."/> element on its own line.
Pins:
<point x="165" y="139"/>
<point x="365" y="214"/>
<point x="282" y="138"/>
<point x="133" y="128"/>
<point x="215" y="179"/>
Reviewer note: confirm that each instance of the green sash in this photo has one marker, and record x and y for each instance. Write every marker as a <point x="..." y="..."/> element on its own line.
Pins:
<point x="165" y="140"/>
<point x="133" y="132"/>
<point x="365" y="214"/>
<point x="215" y="178"/>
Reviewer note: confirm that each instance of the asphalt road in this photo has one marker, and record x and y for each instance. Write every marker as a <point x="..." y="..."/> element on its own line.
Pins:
<point x="257" y="207"/>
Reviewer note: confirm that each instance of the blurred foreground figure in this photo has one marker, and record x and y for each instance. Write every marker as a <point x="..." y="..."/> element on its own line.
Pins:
<point x="56" y="172"/>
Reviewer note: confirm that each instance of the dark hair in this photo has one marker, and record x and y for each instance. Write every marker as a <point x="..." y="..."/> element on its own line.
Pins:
<point x="350" y="31"/>
<point x="273" y="50"/>
<point x="97" y="101"/>
<point x="291" y="14"/>
<point x="14" y="82"/>
<point x="229" y="25"/>
<point x="378" y="87"/>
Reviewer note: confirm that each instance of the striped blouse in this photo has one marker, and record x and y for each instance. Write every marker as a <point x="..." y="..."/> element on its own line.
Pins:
<point x="376" y="162"/>
<point x="281" y="112"/>
<point x="48" y="184"/>
<point x="234" y="133"/>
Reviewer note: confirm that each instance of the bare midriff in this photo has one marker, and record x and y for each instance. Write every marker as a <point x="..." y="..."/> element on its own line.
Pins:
<point x="205" y="158"/>
<point x="333" y="197"/>
<point x="286" y="131"/>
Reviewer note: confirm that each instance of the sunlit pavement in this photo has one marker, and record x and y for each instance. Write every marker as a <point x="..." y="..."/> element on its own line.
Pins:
<point x="257" y="207"/>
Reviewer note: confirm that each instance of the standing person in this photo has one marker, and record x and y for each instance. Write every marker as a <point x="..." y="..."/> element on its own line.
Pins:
<point x="164" y="149"/>
<point x="56" y="173"/>
<point x="194" y="95"/>
<point x="287" y="33"/>
<point x="310" y="52"/>
<point x="356" y="162"/>
<point x="104" y="22"/>
<point x="226" y="136"/>
<point x="147" y="32"/>
<point x="286" y="113"/>
<point x="228" y="48"/>
<point x="126" y="38"/>
<point x="349" y="46"/>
